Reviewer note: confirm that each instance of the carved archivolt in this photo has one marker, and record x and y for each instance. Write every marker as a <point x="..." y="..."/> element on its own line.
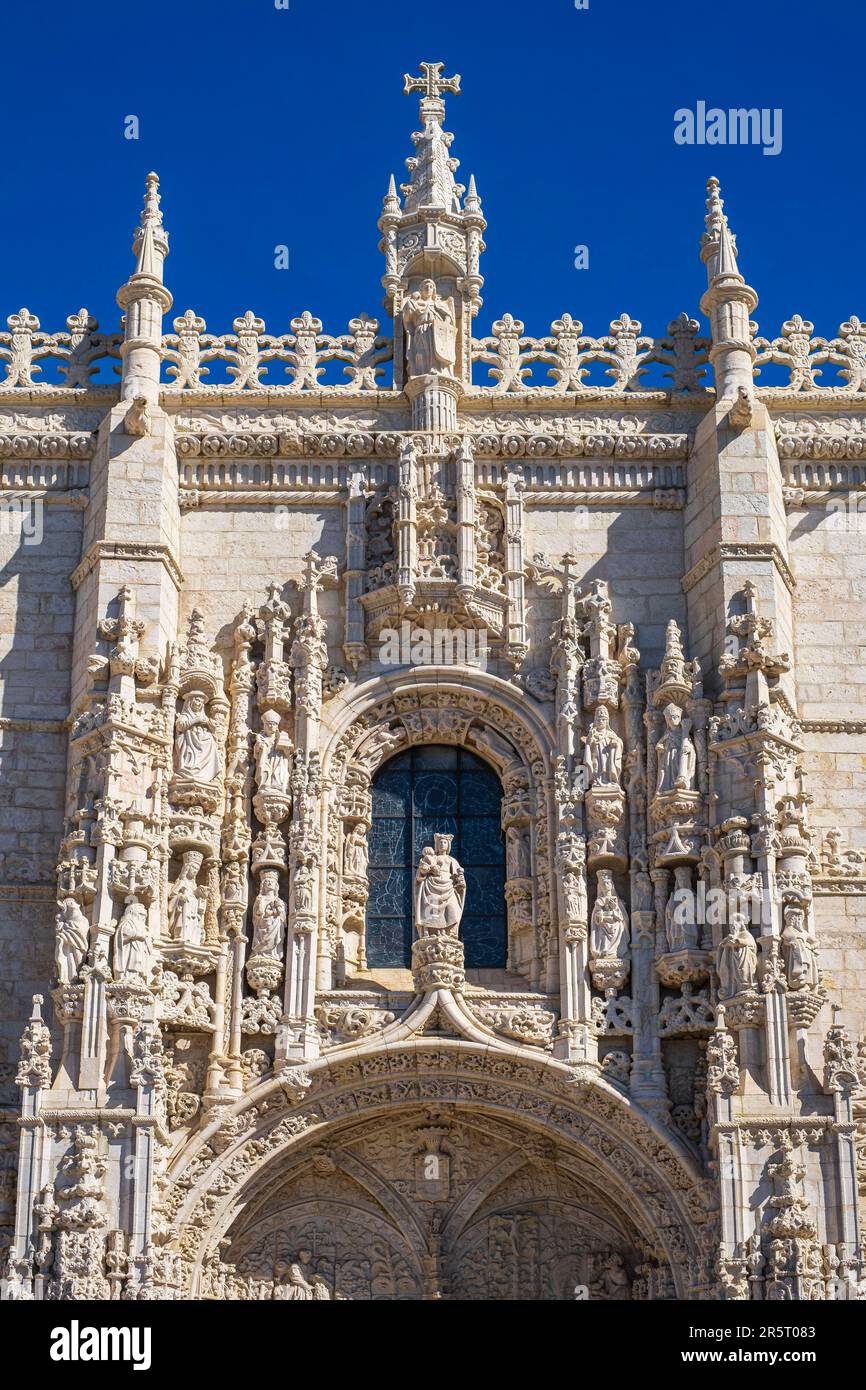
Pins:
<point x="245" y="1152"/>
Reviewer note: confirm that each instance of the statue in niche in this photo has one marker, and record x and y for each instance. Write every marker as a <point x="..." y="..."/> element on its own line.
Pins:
<point x="196" y="753"/>
<point x="302" y="886"/>
<point x="801" y="959"/>
<point x="680" y="929"/>
<point x="355" y="852"/>
<point x="602" y="755"/>
<point x="737" y="959"/>
<point x="186" y="902"/>
<point x="440" y="886"/>
<point x="269" y="917"/>
<point x="431" y="332"/>
<point x="70" y="947"/>
<point x="517" y="852"/>
<point x="132" y="942"/>
<point x="675" y="753"/>
<point x="273" y="753"/>
<point x="574" y="897"/>
<point x="608" y="935"/>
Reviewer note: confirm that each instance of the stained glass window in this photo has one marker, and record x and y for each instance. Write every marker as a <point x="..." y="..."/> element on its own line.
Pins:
<point x="433" y="789"/>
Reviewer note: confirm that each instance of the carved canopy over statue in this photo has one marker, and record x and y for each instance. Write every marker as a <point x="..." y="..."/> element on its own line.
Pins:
<point x="431" y="334"/>
<point x="440" y="890"/>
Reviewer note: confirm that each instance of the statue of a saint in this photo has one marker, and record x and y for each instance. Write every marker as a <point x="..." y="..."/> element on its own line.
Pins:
<point x="132" y="942"/>
<point x="675" y="753"/>
<point x="608" y="934"/>
<point x="440" y="887"/>
<point x="602" y="755"/>
<point x="302" y="886"/>
<point x="269" y="917"/>
<point x="186" y="902"/>
<point x="196" y="754"/>
<point x="431" y="332"/>
<point x="801" y="960"/>
<point x="680" y="927"/>
<point x="574" y="897"/>
<point x="273" y="752"/>
<point x="737" y="959"/>
<point x="517" y="855"/>
<point x="355" y="852"/>
<point x="70" y="947"/>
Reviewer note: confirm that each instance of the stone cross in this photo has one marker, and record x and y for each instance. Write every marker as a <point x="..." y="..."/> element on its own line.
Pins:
<point x="432" y="83"/>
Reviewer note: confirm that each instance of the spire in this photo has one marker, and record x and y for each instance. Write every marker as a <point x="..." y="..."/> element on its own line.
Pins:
<point x="718" y="243"/>
<point x="727" y="303"/>
<point x="431" y="183"/>
<point x="150" y="244"/>
<point x="391" y="203"/>
<point x="144" y="300"/>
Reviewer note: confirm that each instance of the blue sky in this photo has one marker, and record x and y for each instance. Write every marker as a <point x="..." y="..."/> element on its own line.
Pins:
<point x="272" y="126"/>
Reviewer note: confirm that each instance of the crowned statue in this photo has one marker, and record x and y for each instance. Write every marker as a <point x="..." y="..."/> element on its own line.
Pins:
<point x="440" y="886"/>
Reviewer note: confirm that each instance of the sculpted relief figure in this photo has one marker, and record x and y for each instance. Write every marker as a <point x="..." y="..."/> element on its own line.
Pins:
<point x="440" y="886"/>
<point x="675" y="753"/>
<point x="602" y="756"/>
<point x="273" y="751"/>
<point x="186" y="902"/>
<point x="70" y="948"/>
<point x="738" y="959"/>
<point x="801" y="960"/>
<point x="196" y="753"/>
<point x="431" y="333"/>
<point x="132" y="942"/>
<point x="355" y="852"/>
<point x="608" y="934"/>
<point x="574" y="896"/>
<point x="517" y="853"/>
<point x="269" y="917"/>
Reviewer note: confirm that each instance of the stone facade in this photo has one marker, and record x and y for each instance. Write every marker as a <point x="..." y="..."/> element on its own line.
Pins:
<point x="232" y="1083"/>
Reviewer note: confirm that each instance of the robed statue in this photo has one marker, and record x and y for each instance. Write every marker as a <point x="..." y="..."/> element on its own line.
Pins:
<point x="431" y="333"/>
<point x="440" y="887"/>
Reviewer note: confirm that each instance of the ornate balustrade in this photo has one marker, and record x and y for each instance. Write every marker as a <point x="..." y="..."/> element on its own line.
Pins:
<point x="569" y="353"/>
<point x="577" y="364"/>
<point x="75" y="353"/>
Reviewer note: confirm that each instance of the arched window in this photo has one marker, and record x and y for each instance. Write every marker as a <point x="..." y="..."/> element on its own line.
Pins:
<point x="432" y="789"/>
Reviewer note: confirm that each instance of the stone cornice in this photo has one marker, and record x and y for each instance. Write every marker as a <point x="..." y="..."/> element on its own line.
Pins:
<point x="739" y="550"/>
<point x="127" y="550"/>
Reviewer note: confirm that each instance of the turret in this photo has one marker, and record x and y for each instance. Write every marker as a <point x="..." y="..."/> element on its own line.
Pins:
<point x="728" y="302"/>
<point x="144" y="300"/>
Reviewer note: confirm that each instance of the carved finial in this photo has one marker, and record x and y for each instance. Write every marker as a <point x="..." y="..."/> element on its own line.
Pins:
<point x="150" y="245"/>
<point x="431" y="82"/>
